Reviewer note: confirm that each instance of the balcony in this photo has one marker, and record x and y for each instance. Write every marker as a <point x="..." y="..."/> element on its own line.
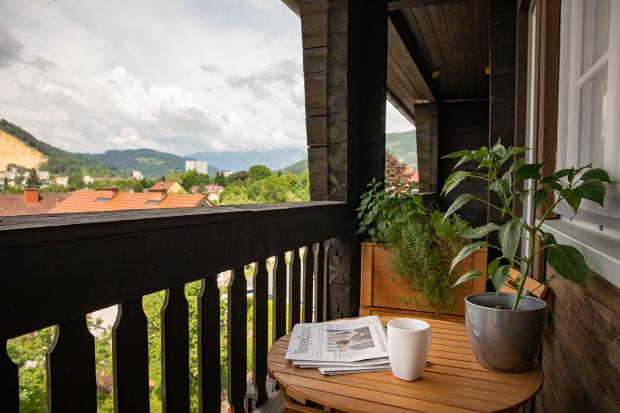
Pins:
<point x="132" y="252"/>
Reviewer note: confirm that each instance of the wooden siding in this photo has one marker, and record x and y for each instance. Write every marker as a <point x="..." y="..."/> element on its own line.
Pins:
<point x="462" y="125"/>
<point x="581" y="348"/>
<point x="427" y="145"/>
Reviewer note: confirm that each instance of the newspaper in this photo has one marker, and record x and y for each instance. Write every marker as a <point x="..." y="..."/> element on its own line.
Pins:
<point x="338" y="347"/>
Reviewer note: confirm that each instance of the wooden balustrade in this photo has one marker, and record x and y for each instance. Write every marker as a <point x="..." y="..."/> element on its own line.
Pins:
<point x="93" y="261"/>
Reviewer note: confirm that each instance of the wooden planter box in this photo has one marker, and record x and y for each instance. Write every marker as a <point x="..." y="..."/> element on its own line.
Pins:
<point x="383" y="291"/>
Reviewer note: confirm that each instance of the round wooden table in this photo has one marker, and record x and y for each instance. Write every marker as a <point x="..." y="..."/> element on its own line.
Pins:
<point x="452" y="382"/>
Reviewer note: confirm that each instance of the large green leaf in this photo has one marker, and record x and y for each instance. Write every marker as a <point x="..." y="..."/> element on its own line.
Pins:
<point x="540" y="196"/>
<point x="467" y="276"/>
<point x="509" y="235"/>
<point x="596" y="173"/>
<point x="493" y="265"/>
<point x="592" y="189"/>
<point x="528" y="171"/>
<point x="547" y="239"/>
<point x="453" y="180"/>
<point x="466" y="252"/>
<point x="475" y="233"/>
<point x="457" y="204"/>
<point x="500" y="185"/>
<point x="500" y="275"/>
<point x="569" y="263"/>
<point x="457" y="154"/>
<point x="572" y="198"/>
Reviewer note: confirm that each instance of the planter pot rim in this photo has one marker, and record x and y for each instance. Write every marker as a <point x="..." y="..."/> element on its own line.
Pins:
<point x="534" y="300"/>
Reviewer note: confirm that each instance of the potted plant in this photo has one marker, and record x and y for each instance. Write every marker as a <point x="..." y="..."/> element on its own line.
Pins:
<point x="406" y="264"/>
<point x="506" y="330"/>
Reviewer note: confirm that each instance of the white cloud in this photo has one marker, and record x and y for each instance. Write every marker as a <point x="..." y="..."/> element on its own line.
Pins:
<point x="395" y="121"/>
<point x="98" y="75"/>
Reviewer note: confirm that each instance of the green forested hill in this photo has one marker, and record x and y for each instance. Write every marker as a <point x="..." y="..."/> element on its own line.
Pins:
<point x="149" y="162"/>
<point x="403" y="145"/>
<point x="297" y="167"/>
<point x="59" y="161"/>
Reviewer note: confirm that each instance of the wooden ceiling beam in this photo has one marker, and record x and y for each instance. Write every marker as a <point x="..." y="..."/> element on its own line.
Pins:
<point x="401" y="26"/>
<point x="409" y="4"/>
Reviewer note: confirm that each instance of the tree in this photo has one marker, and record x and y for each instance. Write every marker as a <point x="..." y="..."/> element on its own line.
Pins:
<point x="33" y="179"/>
<point x="257" y="172"/>
<point x="395" y="178"/>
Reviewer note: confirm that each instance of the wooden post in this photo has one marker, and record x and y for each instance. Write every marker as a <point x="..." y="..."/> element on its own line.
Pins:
<point x="345" y="70"/>
<point x="427" y="144"/>
<point x="502" y="55"/>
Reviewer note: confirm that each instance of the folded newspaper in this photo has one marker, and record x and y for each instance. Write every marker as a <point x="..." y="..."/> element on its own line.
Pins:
<point x="340" y="347"/>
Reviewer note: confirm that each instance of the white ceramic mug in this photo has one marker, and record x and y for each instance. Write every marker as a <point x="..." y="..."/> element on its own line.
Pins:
<point x="408" y="343"/>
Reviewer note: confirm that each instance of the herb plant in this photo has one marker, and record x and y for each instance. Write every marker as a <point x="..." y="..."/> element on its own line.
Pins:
<point x="569" y="185"/>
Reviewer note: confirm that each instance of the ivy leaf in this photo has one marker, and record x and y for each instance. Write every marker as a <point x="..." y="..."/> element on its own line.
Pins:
<point x="592" y="189"/>
<point x="596" y="173"/>
<point x="569" y="263"/>
<point x="457" y="204"/>
<point x="475" y="233"/>
<point x="471" y="274"/>
<point x="528" y="171"/>
<point x="500" y="275"/>
<point x="466" y="252"/>
<point x="540" y="196"/>
<point x="509" y="235"/>
<point x="453" y="180"/>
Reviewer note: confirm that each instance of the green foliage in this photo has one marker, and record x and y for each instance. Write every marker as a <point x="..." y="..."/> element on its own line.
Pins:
<point x="260" y="185"/>
<point x="191" y="178"/>
<point x="379" y="208"/>
<point x="422" y="249"/>
<point x="150" y="162"/>
<point x="404" y="146"/>
<point x="33" y="179"/>
<point x="569" y="185"/>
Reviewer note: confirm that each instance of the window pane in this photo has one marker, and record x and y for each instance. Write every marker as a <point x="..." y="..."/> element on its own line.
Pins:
<point x="592" y="119"/>
<point x="595" y="32"/>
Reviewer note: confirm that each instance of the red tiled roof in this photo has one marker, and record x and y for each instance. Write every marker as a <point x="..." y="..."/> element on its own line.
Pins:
<point x="86" y="201"/>
<point x="160" y="185"/>
<point x="14" y="204"/>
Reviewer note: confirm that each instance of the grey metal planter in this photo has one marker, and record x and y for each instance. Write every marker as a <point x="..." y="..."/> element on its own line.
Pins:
<point x="505" y="340"/>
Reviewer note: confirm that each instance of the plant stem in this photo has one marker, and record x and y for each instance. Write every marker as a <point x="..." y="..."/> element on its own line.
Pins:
<point x="526" y="270"/>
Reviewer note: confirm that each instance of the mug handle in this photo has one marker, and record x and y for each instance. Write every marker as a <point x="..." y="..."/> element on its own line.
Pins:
<point x="430" y="337"/>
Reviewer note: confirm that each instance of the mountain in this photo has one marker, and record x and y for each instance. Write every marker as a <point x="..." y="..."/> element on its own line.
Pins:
<point x="149" y="162"/>
<point x="26" y="150"/>
<point x="404" y="146"/>
<point x="297" y="167"/>
<point x="241" y="160"/>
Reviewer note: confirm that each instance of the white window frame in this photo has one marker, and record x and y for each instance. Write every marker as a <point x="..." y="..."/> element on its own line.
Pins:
<point x="569" y="99"/>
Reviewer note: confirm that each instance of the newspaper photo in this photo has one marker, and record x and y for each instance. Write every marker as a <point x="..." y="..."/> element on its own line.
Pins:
<point x="342" y="340"/>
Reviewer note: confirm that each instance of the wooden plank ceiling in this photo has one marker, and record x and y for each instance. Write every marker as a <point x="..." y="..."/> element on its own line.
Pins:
<point x="448" y="41"/>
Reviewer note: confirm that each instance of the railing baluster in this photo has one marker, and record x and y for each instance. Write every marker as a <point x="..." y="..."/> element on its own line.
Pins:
<point x="278" y="295"/>
<point x="209" y="371"/>
<point x="308" y="283"/>
<point x="319" y="306"/>
<point x="71" y="381"/>
<point x="237" y="339"/>
<point x="175" y="351"/>
<point x="260" y="335"/>
<point x="130" y="349"/>
<point x="9" y="381"/>
<point x="294" y="289"/>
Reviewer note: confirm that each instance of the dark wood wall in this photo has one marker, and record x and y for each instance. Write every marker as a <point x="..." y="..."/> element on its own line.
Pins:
<point x="581" y="348"/>
<point x="462" y="125"/>
<point x="345" y="72"/>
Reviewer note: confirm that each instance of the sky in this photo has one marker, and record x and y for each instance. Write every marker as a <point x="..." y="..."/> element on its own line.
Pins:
<point x="179" y="76"/>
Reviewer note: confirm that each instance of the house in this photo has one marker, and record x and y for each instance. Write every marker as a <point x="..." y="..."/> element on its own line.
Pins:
<point x="44" y="176"/>
<point x="137" y="175"/>
<point x="111" y="199"/>
<point x="533" y="72"/>
<point x="31" y="202"/>
<point x="61" y="180"/>
<point x="171" y="187"/>
<point x="213" y="192"/>
<point x="202" y="167"/>
<point x="87" y="179"/>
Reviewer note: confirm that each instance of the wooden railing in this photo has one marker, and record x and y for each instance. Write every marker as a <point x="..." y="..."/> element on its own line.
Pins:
<point x="57" y="269"/>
